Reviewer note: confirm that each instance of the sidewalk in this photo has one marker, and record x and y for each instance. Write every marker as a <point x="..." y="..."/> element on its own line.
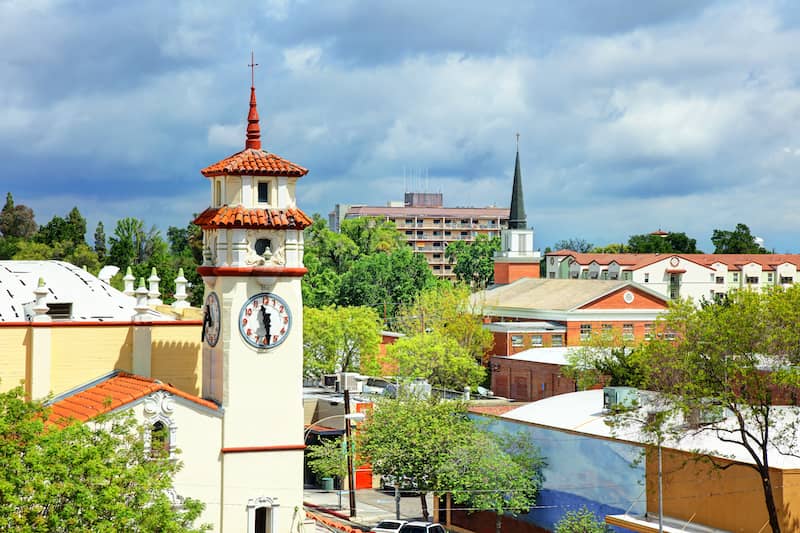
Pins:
<point x="372" y="506"/>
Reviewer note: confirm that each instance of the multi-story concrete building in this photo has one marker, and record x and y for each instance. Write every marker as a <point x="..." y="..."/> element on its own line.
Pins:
<point x="695" y="276"/>
<point x="428" y="226"/>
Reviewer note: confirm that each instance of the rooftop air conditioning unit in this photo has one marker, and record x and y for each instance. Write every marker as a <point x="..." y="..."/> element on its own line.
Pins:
<point x="697" y="417"/>
<point x="349" y="381"/>
<point x="616" y="397"/>
<point x="330" y="380"/>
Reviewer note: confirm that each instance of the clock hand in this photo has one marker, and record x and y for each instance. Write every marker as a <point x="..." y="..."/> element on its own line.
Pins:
<point x="206" y="323"/>
<point x="265" y="320"/>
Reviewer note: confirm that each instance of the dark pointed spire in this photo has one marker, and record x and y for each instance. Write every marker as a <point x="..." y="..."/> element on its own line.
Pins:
<point x="516" y="218"/>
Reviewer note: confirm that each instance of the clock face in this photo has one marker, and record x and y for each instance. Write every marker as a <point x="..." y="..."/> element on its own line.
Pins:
<point x="211" y="322"/>
<point x="265" y="320"/>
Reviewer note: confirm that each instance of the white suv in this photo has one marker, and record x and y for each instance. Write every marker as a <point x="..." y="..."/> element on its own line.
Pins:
<point x="422" y="527"/>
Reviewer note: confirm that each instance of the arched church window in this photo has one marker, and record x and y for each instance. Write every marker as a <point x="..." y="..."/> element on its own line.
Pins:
<point x="159" y="440"/>
<point x="261" y="520"/>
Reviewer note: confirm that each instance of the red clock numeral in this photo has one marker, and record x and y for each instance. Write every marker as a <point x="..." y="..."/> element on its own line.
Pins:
<point x="249" y="311"/>
<point x="265" y="341"/>
<point x="283" y="330"/>
<point x="280" y="309"/>
<point x="249" y="332"/>
<point x="285" y="319"/>
<point x="244" y="321"/>
<point x="274" y="338"/>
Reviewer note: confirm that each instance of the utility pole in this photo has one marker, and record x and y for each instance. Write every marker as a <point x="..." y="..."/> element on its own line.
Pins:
<point x="351" y="474"/>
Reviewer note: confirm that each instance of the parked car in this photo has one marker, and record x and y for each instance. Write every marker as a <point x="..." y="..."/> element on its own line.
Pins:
<point x="388" y="526"/>
<point x="422" y="527"/>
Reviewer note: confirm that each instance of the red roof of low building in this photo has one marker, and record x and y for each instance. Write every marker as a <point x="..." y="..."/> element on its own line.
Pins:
<point x="243" y="217"/>
<point x="732" y="261"/>
<point x="115" y="391"/>
<point x="254" y="162"/>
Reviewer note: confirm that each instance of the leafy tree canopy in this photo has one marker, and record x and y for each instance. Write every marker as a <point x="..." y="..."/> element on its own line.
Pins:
<point x="372" y="234"/>
<point x="448" y="310"/>
<point x="671" y="243"/>
<point x="340" y="339"/>
<point x="738" y="241"/>
<point x="436" y="358"/>
<point x="83" y="477"/>
<point x="575" y="244"/>
<point x="432" y="446"/>
<point x="16" y="220"/>
<point x="474" y="261"/>
<point x="581" y="521"/>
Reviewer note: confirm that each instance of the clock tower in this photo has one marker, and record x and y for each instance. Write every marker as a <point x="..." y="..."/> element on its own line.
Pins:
<point x="253" y="331"/>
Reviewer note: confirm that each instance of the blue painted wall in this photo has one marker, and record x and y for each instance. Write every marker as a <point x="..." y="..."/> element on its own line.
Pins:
<point x="607" y="477"/>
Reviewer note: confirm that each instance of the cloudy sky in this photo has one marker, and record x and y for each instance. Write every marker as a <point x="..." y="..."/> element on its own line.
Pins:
<point x="675" y="114"/>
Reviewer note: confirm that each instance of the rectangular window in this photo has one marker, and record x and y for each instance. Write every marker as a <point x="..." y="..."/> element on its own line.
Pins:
<point x="669" y="335"/>
<point x="586" y="332"/>
<point x="263" y="192"/>
<point x="437" y="256"/>
<point x="752" y="280"/>
<point x="720" y="280"/>
<point x="437" y="221"/>
<point x="409" y="221"/>
<point x="736" y="277"/>
<point x="437" y="267"/>
<point x="627" y="332"/>
<point x="557" y="340"/>
<point x="770" y="277"/>
<point x="516" y="340"/>
<point x="647" y="277"/>
<point x="648" y="331"/>
<point x="787" y="279"/>
<point x="409" y="232"/>
<point x="607" y="328"/>
<point x="604" y="274"/>
<point x="551" y="275"/>
<point x="626" y="276"/>
<point x="536" y="340"/>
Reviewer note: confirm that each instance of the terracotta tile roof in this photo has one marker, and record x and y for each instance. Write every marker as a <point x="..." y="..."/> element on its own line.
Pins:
<point x="733" y="261"/>
<point x="109" y="394"/>
<point x="243" y="217"/>
<point x="252" y="162"/>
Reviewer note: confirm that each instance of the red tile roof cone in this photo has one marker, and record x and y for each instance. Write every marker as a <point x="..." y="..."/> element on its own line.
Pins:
<point x="253" y="129"/>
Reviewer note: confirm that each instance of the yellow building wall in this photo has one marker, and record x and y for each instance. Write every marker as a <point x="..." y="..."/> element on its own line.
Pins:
<point x="177" y="357"/>
<point x="730" y="499"/>
<point x="14" y="356"/>
<point x="81" y="354"/>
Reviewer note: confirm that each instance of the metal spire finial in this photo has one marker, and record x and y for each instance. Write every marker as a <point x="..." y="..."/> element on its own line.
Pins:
<point x="252" y="66"/>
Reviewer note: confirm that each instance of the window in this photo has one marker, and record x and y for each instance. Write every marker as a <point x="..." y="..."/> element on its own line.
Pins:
<point x="586" y="332"/>
<point x="626" y="275"/>
<point x="437" y="221"/>
<point x="770" y="277"/>
<point x="627" y="332"/>
<point x="669" y="335"/>
<point x="465" y="221"/>
<point x="218" y="193"/>
<point x="607" y="328"/>
<point x="551" y="275"/>
<point x="593" y="275"/>
<point x="751" y="280"/>
<point x="516" y="340"/>
<point x="437" y="256"/>
<point x="464" y="233"/>
<point x="647" y="277"/>
<point x="159" y="441"/>
<point x="437" y="267"/>
<point x="409" y="232"/>
<point x="409" y="221"/>
<point x="262" y="245"/>
<point x="437" y="245"/>
<point x="648" y="331"/>
<point x="604" y="274"/>
<point x="720" y="280"/>
<point x="557" y="340"/>
<point x="263" y="192"/>
<point x="736" y="277"/>
<point x="448" y="233"/>
<point x="787" y="279"/>
<point x="536" y="340"/>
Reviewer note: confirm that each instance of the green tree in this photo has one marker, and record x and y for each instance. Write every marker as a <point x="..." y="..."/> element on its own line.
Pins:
<point x="499" y="473"/>
<point x="648" y="243"/>
<point x="581" y="521"/>
<point x="606" y="358"/>
<point x="723" y="364"/>
<point x="32" y="251"/>
<point x="436" y="358"/>
<point x="340" y="339"/>
<point x="333" y="250"/>
<point x="100" y="242"/>
<point x="328" y="459"/>
<point x="16" y="220"/>
<point x="474" y="261"/>
<point x="131" y="245"/>
<point x="432" y="446"/>
<point x="613" y="248"/>
<point x="82" y="477"/>
<point x="320" y="285"/>
<point x="372" y="234"/>
<point x="738" y="241"/>
<point x="576" y="244"/>
<point x="385" y="282"/>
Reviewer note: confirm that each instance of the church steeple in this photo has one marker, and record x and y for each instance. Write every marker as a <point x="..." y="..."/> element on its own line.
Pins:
<point x="516" y="218"/>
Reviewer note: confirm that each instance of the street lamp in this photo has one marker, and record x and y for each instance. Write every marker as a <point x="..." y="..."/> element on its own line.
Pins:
<point x="357" y="417"/>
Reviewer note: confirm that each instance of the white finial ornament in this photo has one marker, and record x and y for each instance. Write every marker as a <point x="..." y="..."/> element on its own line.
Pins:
<point x="40" y="307"/>
<point x="180" y="291"/>
<point x="129" y="280"/>
<point x="153" y="294"/>
<point x="142" y="309"/>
